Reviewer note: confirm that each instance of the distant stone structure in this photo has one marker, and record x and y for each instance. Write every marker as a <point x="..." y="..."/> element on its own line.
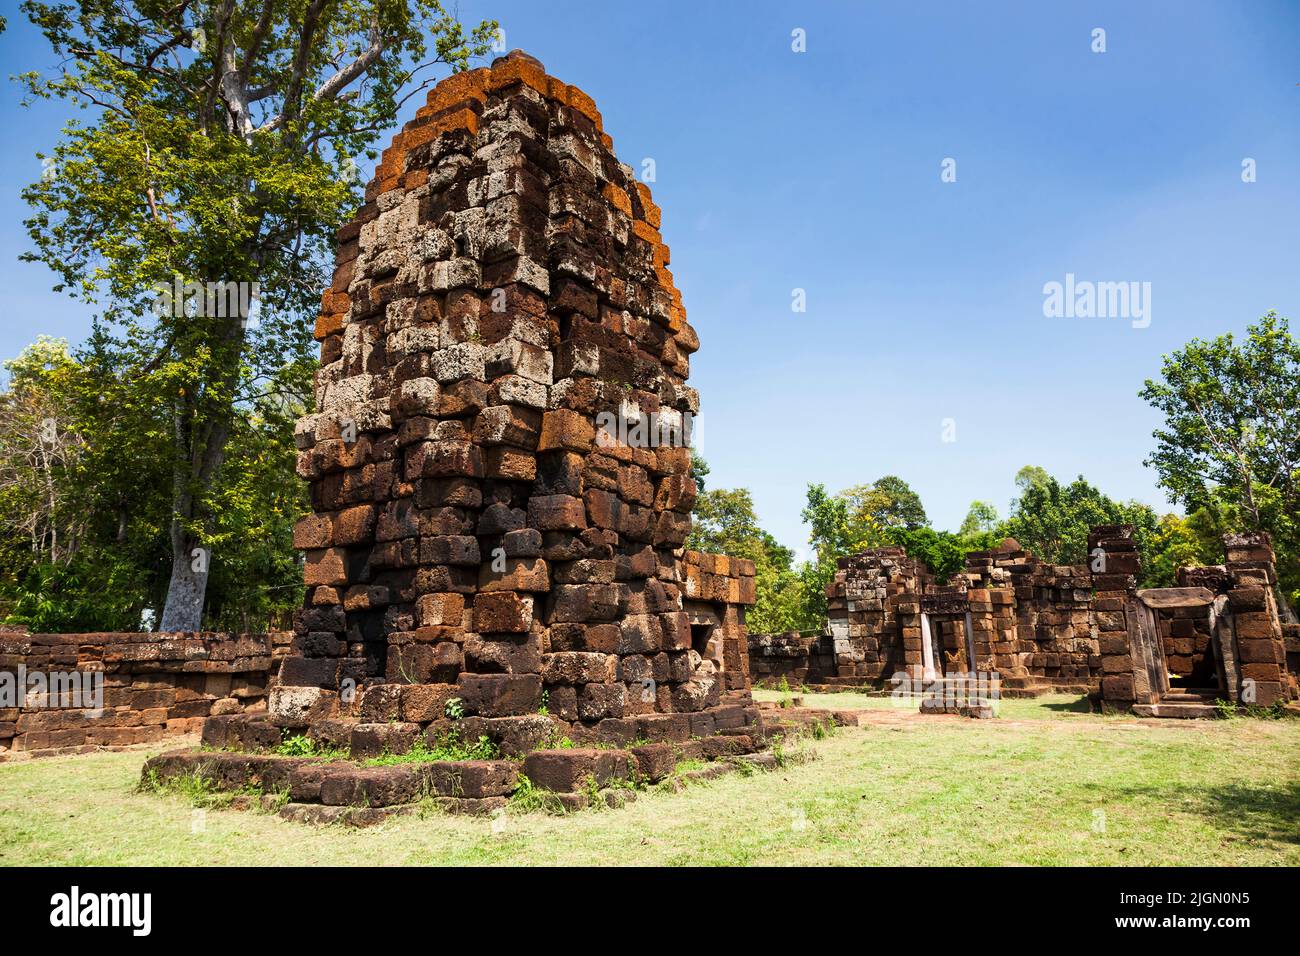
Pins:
<point x="1042" y="627"/>
<point x="499" y="462"/>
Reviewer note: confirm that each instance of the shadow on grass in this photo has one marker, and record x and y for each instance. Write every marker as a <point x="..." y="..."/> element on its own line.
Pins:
<point x="1081" y="706"/>
<point x="1254" y="813"/>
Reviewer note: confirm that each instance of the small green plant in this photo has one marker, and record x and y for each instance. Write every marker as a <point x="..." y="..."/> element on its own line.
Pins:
<point x="784" y="688"/>
<point x="544" y="709"/>
<point x="527" y="798"/>
<point x="298" y="745"/>
<point x="454" y="709"/>
<point x="274" y="801"/>
<point x="201" y="791"/>
<point x="1274" y="711"/>
<point x="446" y="748"/>
<point x="429" y="807"/>
<point x="821" y="729"/>
<point x="595" y="799"/>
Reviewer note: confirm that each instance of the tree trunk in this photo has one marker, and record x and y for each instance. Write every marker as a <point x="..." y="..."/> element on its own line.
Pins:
<point x="187" y="591"/>
<point x="201" y="433"/>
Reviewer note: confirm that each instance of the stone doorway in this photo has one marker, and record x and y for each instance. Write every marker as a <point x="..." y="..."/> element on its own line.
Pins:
<point x="946" y="643"/>
<point x="1185" y="648"/>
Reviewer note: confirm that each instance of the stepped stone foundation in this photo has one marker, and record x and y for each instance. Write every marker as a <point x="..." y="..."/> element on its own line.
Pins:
<point x="499" y="461"/>
<point x="72" y="693"/>
<point x="1052" y="628"/>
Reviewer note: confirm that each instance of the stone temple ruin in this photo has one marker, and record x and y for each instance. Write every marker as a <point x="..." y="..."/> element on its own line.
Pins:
<point x="1168" y="652"/>
<point x="499" y="475"/>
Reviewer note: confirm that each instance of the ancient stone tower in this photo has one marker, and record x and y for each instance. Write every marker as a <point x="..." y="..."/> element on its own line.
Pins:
<point x="499" y="480"/>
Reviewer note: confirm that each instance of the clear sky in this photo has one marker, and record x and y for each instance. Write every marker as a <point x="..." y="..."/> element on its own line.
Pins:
<point x="820" y="171"/>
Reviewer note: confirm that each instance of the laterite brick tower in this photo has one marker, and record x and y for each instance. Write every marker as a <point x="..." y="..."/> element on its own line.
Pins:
<point x="477" y="534"/>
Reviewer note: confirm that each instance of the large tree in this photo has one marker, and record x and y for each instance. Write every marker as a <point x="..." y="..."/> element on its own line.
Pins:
<point x="219" y="147"/>
<point x="850" y="522"/>
<point x="1231" y="435"/>
<point x="1053" y="520"/>
<point x="888" y="502"/>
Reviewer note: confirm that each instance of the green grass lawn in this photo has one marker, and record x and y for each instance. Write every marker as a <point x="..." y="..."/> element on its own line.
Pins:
<point x="1047" y="783"/>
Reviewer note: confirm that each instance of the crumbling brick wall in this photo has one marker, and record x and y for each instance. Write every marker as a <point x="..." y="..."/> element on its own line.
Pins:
<point x="500" y="477"/>
<point x="154" y="686"/>
<point x="1044" y="627"/>
<point x="874" y="615"/>
<point x="1007" y="612"/>
<point x="794" y="656"/>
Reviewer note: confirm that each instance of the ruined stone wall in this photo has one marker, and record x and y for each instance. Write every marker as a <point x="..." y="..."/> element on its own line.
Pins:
<point x="1008" y="613"/>
<point x="798" y="658"/>
<point x="874" y="615"/>
<point x="499" y="475"/>
<point x="154" y="686"/>
<point x="1039" y="619"/>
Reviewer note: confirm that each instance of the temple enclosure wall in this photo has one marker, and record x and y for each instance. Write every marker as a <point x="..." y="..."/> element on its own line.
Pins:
<point x="135" y="688"/>
<point x="1064" y="628"/>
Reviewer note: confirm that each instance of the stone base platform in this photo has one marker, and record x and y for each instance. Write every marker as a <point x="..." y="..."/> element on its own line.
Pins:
<point x="569" y="777"/>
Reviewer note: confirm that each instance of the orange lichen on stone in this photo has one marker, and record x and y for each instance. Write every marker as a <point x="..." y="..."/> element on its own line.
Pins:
<point x="328" y="325"/>
<point x="437" y="124"/>
<point x="390" y="172"/>
<point x="517" y="69"/>
<point x="652" y="213"/>
<point x="584" y="104"/>
<point x="645" y="231"/>
<point x="557" y="90"/>
<point x="470" y="85"/>
<point x="618" y="198"/>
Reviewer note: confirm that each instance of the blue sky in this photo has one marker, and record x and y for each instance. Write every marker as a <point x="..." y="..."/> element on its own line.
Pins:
<point x="820" y="170"/>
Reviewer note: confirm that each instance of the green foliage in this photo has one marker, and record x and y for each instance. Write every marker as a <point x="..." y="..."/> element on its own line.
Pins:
<point x="300" y="745"/>
<point x="1274" y="711"/>
<point x="982" y="517"/>
<point x="1230" y="441"/>
<point x="725" y="523"/>
<point x="1181" y="542"/>
<point x="218" y="145"/>
<point x="528" y="798"/>
<point x="85" y="503"/>
<point x="1053" y="520"/>
<point x="943" y="552"/>
<point x="889" y="502"/>
<point x="699" y="471"/>
<point x="885" y="512"/>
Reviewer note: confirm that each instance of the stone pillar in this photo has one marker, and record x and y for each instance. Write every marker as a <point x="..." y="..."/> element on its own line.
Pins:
<point x="499" y="469"/>
<point x="1114" y="564"/>
<point x="1261" y="646"/>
